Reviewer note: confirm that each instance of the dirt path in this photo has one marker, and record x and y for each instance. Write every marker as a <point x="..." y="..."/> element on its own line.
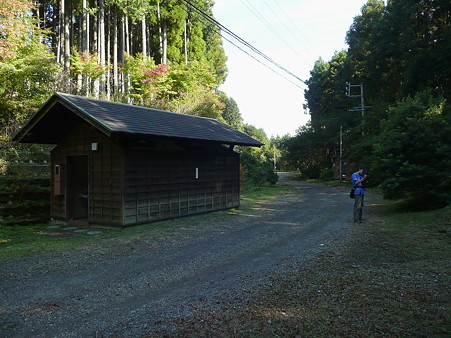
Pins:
<point x="123" y="288"/>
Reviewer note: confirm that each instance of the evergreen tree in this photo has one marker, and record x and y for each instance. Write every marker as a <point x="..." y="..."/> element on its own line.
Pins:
<point x="396" y="51"/>
<point x="231" y="112"/>
<point x="411" y="154"/>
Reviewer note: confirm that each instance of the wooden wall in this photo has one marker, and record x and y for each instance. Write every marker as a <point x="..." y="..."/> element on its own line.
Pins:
<point x="161" y="184"/>
<point x="105" y="175"/>
<point x="130" y="185"/>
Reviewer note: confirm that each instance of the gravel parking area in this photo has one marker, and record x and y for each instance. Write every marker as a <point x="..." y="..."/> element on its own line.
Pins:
<point x="129" y="287"/>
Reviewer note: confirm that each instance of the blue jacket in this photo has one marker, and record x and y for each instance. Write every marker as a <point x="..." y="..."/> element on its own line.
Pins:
<point x="359" y="189"/>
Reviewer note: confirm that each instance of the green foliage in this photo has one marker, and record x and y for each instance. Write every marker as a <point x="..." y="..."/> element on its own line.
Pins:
<point x="257" y="171"/>
<point x="26" y="81"/>
<point x="256" y="162"/>
<point x="199" y="101"/>
<point x="28" y="72"/>
<point x="281" y="153"/>
<point x="13" y="30"/>
<point x="412" y="155"/>
<point x="326" y="175"/>
<point x="306" y="152"/>
<point x="85" y="64"/>
<point x="231" y="113"/>
<point x="395" y="51"/>
<point x="176" y="87"/>
<point x="326" y="86"/>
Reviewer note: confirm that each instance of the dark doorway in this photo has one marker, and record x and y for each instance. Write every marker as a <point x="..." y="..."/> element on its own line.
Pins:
<point x="77" y="187"/>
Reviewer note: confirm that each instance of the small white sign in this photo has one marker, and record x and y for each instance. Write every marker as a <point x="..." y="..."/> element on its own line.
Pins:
<point x="197" y="172"/>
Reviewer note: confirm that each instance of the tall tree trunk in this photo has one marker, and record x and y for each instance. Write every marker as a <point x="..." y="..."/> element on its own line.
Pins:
<point x="185" y="42"/>
<point x="127" y="36"/>
<point x="59" y="53"/>
<point x="55" y="36"/>
<point x="165" y="43"/>
<point x="42" y="15"/>
<point x="86" y="44"/>
<point x="115" y="48"/>
<point x="160" y="33"/>
<point x="85" y="28"/>
<point x="108" y="56"/>
<point x="149" y="44"/>
<point x="102" y="43"/>
<point x="122" y="55"/>
<point x="81" y="34"/>
<point x="67" y="21"/>
<point x="127" y="46"/>
<point x="130" y="38"/>
<point x="82" y="43"/>
<point x="95" y="42"/>
<point x="37" y="14"/>
<point x="144" y="36"/>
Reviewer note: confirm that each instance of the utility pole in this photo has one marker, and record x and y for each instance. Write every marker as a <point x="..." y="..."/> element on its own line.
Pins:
<point x="362" y="107"/>
<point x="341" y="152"/>
<point x="275" y="167"/>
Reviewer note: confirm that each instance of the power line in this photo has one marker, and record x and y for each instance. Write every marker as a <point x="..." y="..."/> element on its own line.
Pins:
<point x="260" y="16"/>
<point x="215" y="29"/>
<point x="261" y="62"/>
<point x="240" y="40"/>
<point x="294" y="26"/>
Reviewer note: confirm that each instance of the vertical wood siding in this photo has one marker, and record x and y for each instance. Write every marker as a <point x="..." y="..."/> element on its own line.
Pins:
<point x="138" y="185"/>
<point x="105" y="175"/>
<point x="163" y="184"/>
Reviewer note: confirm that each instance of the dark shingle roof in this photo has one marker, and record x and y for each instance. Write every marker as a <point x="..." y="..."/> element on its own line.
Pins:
<point x="111" y="117"/>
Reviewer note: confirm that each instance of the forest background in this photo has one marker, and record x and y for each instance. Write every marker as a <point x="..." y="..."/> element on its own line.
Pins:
<point x="160" y="54"/>
<point x="399" y="52"/>
<point x="164" y="54"/>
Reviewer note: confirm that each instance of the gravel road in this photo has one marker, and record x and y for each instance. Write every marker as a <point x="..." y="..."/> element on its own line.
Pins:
<point x="120" y="288"/>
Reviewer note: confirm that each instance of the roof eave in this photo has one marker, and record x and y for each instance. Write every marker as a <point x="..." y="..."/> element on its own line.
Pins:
<point x="226" y="142"/>
<point x="47" y="106"/>
<point x="84" y="115"/>
<point x="34" y="119"/>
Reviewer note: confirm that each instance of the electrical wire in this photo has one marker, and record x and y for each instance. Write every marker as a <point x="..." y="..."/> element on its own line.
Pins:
<point x="280" y="37"/>
<point x="212" y="27"/>
<point x="288" y="29"/>
<point x="241" y="41"/>
<point x="295" y="27"/>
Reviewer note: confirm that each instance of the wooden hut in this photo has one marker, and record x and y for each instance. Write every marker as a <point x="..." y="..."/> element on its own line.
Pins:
<point x="120" y="164"/>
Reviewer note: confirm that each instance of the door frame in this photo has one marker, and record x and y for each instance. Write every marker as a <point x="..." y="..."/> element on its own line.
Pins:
<point x="77" y="197"/>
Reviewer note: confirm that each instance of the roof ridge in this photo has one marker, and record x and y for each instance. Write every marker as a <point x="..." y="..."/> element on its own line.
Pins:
<point x="138" y="106"/>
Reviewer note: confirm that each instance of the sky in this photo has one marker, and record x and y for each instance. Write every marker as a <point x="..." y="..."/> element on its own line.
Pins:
<point x="293" y="33"/>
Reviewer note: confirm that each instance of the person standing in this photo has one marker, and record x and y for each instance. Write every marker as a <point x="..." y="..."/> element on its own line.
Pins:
<point x="358" y="181"/>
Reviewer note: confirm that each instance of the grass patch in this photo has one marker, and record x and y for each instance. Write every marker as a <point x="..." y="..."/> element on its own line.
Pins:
<point x="423" y="237"/>
<point x="261" y="195"/>
<point x="337" y="183"/>
<point x="16" y="241"/>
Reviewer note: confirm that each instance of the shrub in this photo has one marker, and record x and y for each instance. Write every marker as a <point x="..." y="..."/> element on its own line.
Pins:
<point x="257" y="171"/>
<point x="326" y="174"/>
<point x="412" y="155"/>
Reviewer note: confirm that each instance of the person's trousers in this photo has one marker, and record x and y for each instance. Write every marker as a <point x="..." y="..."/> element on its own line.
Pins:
<point x="358" y="207"/>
